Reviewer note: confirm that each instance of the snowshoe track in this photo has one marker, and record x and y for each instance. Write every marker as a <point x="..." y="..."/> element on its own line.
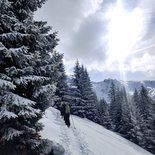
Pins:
<point x="72" y="138"/>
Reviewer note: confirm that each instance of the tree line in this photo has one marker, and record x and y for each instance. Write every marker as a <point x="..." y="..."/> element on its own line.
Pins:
<point x="132" y="116"/>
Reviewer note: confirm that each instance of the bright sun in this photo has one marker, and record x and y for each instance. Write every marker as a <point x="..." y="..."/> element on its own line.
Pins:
<point x="124" y="31"/>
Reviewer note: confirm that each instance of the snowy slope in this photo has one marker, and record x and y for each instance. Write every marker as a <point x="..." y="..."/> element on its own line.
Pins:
<point x="85" y="137"/>
<point x="102" y="88"/>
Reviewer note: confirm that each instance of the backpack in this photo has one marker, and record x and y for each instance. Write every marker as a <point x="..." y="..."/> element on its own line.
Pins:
<point x="67" y="111"/>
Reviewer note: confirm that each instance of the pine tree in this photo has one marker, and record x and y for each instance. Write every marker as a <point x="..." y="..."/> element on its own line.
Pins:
<point x="147" y="117"/>
<point x="88" y="95"/>
<point x="75" y="92"/>
<point x="62" y="89"/>
<point x="136" y="119"/>
<point x="126" y="129"/>
<point x="85" y="103"/>
<point x="103" y="114"/>
<point x="76" y="101"/>
<point x="115" y="110"/>
<point x="44" y="91"/>
<point x="27" y="81"/>
<point x="152" y="148"/>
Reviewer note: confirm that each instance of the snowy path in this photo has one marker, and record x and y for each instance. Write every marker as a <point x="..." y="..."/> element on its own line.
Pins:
<point x="86" y="138"/>
<point x="73" y="141"/>
<point x="70" y="138"/>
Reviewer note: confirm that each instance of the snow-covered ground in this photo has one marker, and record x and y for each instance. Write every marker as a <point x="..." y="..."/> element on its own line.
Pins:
<point x="85" y="137"/>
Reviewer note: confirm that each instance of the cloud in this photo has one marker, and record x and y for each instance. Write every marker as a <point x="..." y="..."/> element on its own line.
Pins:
<point x="130" y="4"/>
<point x="148" y="8"/>
<point x="106" y="4"/>
<point x="145" y="64"/>
<point x="65" y="15"/>
<point x="88" y="43"/>
<point x="82" y="27"/>
<point x="101" y="75"/>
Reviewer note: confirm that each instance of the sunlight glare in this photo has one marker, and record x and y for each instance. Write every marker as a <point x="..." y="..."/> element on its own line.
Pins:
<point x="124" y="32"/>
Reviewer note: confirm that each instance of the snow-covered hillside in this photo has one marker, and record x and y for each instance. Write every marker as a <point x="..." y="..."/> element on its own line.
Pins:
<point x="102" y="88"/>
<point x="85" y="137"/>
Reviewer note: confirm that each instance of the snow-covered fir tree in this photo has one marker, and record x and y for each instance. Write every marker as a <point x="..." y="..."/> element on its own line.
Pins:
<point x="115" y="107"/>
<point x="103" y="114"/>
<point x="77" y="101"/>
<point x="147" y="119"/>
<point x="136" y="119"/>
<point x="47" y="67"/>
<point x="62" y="89"/>
<point x="126" y="127"/>
<point x="120" y="111"/>
<point x="88" y="95"/>
<point x="85" y="100"/>
<point x="143" y="119"/>
<point x="28" y="75"/>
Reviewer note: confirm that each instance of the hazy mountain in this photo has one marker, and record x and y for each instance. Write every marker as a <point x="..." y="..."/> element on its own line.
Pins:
<point x="102" y="88"/>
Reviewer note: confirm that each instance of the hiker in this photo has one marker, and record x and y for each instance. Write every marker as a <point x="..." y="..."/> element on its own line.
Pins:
<point x="62" y="108"/>
<point x="67" y="115"/>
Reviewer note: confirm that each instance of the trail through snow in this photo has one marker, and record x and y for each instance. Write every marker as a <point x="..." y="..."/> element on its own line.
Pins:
<point x="70" y="138"/>
<point x="73" y="141"/>
<point x="84" y="137"/>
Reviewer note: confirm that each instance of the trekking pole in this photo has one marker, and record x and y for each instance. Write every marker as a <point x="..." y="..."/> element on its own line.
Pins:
<point x="45" y="114"/>
<point x="73" y="121"/>
<point x="57" y="114"/>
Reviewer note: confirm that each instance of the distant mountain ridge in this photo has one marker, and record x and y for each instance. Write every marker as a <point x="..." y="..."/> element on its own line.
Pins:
<point x="102" y="88"/>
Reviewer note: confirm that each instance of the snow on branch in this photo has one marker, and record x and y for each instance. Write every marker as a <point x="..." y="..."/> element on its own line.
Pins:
<point x="11" y="71"/>
<point x="29" y="112"/>
<point x="18" y="100"/>
<point x="4" y="77"/>
<point x="6" y="85"/>
<point x="20" y="53"/>
<point x="8" y="18"/>
<point x="32" y="78"/>
<point x="10" y="133"/>
<point x="13" y="36"/>
<point x="16" y="52"/>
<point x="5" y="5"/>
<point x="22" y="49"/>
<point x="44" y="89"/>
<point x="25" y="106"/>
<point x="26" y="70"/>
<point x="2" y="47"/>
<point x="5" y="114"/>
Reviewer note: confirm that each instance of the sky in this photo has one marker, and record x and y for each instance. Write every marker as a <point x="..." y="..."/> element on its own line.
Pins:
<point x="111" y="38"/>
